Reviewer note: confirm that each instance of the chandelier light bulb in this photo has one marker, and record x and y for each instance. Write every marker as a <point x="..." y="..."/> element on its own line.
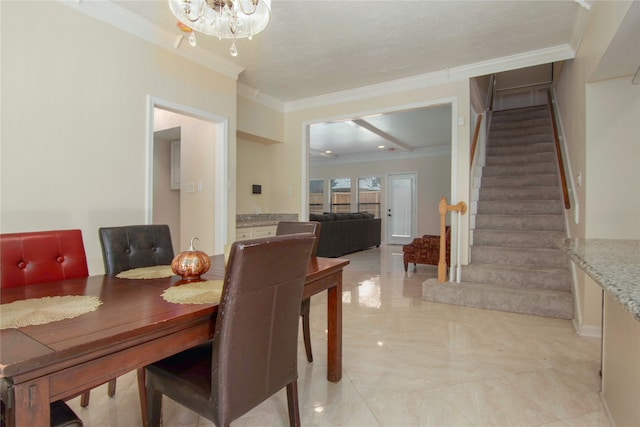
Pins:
<point x="225" y="19"/>
<point x="192" y="39"/>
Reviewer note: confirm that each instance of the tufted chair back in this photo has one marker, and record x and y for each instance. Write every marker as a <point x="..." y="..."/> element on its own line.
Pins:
<point x="135" y="246"/>
<point x="41" y="256"/>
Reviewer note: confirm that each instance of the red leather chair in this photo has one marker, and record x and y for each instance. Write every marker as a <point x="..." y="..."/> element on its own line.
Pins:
<point x="39" y="257"/>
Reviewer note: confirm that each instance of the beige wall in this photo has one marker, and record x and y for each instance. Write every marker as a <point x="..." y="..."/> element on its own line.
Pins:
<point x="259" y="120"/>
<point x="594" y="123"/>
<point x="257" y="164"/>
<point x="74" y="120"/>
<point x="433" y="182"/>
<point x="296" y="122"/>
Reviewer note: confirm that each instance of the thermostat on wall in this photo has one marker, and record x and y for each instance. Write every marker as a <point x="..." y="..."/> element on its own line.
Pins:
<point x="256" y="189"/>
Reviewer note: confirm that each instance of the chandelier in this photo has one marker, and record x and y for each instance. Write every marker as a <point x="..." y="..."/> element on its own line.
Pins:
<point x="225" y="19"/>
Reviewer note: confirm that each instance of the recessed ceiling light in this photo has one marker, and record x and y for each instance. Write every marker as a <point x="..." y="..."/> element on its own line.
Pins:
<point x="327" y="151"/>
<point x="381" y="146"/>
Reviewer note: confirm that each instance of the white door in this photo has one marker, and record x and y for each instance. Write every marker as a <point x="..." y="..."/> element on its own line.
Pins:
<point x="401" y="208"/>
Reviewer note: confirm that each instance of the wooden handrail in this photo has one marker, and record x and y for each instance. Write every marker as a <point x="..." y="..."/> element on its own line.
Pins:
<point x="563" y="178"/>
<point x="476" y="134"/>
<point x="443" y="208"/>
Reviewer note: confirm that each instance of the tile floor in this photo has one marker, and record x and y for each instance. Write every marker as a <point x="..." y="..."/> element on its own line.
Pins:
<point x="409" y="362"/>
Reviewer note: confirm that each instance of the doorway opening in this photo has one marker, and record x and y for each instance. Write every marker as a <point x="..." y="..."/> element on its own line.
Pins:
<point x="198" y="179"/>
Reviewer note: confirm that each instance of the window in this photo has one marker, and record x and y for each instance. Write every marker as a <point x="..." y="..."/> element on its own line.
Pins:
<point x="316" y="196"/>
<point x="341" y="195"/>
<point x="369" y="195"/>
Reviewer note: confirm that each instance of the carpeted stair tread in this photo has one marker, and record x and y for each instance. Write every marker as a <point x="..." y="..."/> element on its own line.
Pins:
<point x="519" y="159"/>
<point x="519" y="222"/>
<point x="515" y="276"/>
<point x="526" y="257"/>
<point x="513" y="170"/>
<point x="531" y="193"/>
<point x="531" y="180"/>
<point x="517" y="238"/>
<point x="539" y="302"/>
<point x="520" y="207"/>
<point x="534" y="147"/>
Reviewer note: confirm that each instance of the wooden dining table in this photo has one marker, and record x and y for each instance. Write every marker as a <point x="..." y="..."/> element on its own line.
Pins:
<point x="133" y="327"/>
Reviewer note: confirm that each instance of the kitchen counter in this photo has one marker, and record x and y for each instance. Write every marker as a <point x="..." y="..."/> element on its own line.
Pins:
<point x="263" y="220"/>
<point x="613" y="264"/>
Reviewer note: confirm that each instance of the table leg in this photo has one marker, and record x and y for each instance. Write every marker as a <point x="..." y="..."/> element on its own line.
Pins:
<point x="30" y="404"/>
<point x="334" y="339"/>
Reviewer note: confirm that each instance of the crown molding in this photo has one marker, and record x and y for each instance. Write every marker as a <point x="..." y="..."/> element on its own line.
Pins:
<point x="579" y="25"/>
<point x="520" y="60"/>
<point x="124" y="20"/>
<point x="255" y="95"/>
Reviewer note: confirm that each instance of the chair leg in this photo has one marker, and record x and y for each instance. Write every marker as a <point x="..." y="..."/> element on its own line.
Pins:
<point x="154" y="407"/>
<point x="84" y="398"/>
<point x="292" y="401"/>
<point x="142" y="392"/>
<point x="406" y="265"/>
<point x="111" y="388"/>
<point x="305" y="309"/>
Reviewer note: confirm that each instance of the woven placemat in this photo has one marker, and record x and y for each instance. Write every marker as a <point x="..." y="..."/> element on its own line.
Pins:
<point x="39" y="311"/>
<point x="155" y="272"/>
<point x="207" y="292"/>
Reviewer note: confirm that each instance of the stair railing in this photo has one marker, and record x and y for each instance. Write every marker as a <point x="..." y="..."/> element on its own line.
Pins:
<point x="443" y="208"/>
<point x="476" y="135"/>
<point x="563" y="178"/>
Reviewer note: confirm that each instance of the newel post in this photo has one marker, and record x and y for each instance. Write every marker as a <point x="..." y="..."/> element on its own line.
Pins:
<point x="443" y="208"/>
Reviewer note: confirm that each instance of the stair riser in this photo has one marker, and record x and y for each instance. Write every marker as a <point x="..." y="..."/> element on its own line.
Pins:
<point x="543" y="258"/>
<point x="523" y="207"/>
<point x="520" y="124"/>
<point x="520" y="222"/>
<point x="519" y="181"/>
<point x="536" y="147"/>
<point x="524" y="139"/>
<point x="519" y="131"/>
<point x="548" y="304"/>
<point x="531" y="168"/>
<point x="511" y="116"/>
<point x="558" y="280"/>
<point x="531" y="193"/>
<point x="523" y="159"/>
<point x="517" y="238"/>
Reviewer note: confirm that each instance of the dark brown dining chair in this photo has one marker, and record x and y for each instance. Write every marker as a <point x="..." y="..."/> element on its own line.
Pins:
<point x="39" y="257"/>
<point x="253" y="353"/>
<point x="292" y="227"/>
<point x="135" y="246"/>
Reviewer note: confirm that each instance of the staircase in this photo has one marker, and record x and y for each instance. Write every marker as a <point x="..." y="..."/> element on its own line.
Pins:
<point x="515" y="265"/>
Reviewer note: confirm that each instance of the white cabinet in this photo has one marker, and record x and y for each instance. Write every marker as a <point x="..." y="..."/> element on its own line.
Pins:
<point x="255" y="232"/>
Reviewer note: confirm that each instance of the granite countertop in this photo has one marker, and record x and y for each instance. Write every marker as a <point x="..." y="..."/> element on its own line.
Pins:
<point x="613" y="264"/>
<point x="262" y="220"/>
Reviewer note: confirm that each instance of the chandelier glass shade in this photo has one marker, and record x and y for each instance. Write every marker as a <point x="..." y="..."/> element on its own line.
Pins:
<point x="225" y="19"/>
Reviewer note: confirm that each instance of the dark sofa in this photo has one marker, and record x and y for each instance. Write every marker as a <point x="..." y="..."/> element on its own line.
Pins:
<point x="343" y="233"/>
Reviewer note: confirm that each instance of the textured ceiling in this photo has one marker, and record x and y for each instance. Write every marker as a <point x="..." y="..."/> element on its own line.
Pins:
<point x="313" y="48"/>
